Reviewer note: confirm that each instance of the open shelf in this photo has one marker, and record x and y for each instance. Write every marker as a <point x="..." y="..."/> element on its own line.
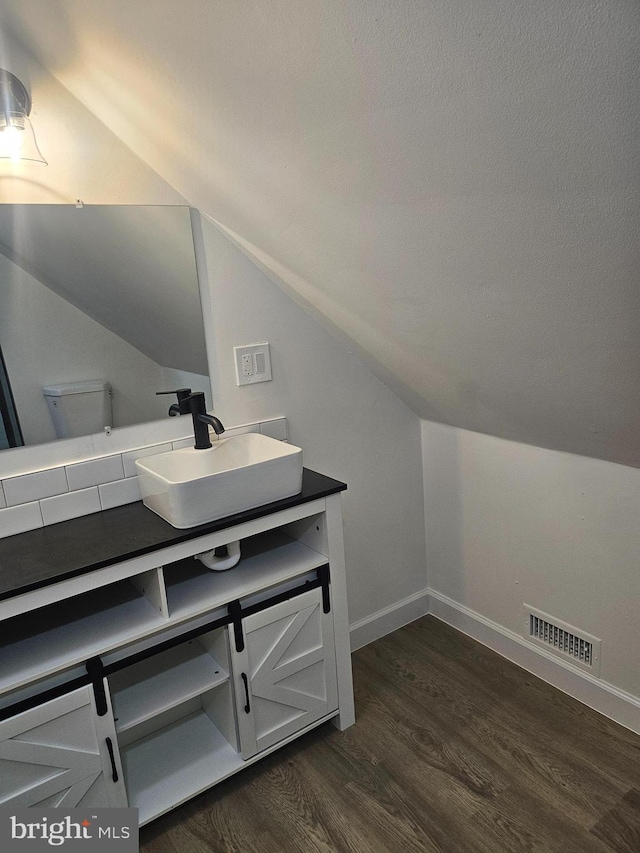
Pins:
<point x="58" y="636"/>
<point x="175" y="763"/>
<point x="149" y="688"/>
<point x="267" y="559"/>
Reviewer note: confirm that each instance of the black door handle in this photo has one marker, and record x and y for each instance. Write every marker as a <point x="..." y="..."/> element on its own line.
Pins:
<point x="247" y="707"/>
<point x="114" y="775"/>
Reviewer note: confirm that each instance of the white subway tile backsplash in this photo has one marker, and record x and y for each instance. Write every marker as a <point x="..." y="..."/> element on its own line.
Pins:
<point x="71" y="505"/>
<point x="129" y="458"/>
<point x="119" y="492"/>
<point x="96" y="471"/>
<point x="29" y="501"/>
<point x="18" y="519"/>
<point x="275" y="429"/>
<point x="34" y="487"/>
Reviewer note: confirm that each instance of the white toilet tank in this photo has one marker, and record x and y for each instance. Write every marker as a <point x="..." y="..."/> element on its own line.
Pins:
<point x="79" y="408"/>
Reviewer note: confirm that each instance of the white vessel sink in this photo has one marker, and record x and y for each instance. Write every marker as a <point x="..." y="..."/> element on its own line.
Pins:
<point x="188" y="487"/>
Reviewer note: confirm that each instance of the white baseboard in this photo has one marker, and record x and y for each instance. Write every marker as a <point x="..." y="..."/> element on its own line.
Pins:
<point x="385" y="621"/>
<point x="616" y="704"/>
<point x="619" y="706"/>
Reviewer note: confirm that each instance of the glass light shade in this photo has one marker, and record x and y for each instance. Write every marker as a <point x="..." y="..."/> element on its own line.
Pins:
<point x="17" y="139"/>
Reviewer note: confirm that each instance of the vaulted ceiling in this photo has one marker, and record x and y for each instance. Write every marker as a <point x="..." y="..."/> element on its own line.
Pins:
<point x="452" y="185"/>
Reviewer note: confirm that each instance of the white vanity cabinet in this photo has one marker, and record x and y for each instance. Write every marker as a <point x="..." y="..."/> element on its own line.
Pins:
<point x="145" y="682"/>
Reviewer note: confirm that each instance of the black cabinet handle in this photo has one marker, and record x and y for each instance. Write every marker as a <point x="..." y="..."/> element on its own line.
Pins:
<point x="247" y="707"/>
<point x="114" y="775"/>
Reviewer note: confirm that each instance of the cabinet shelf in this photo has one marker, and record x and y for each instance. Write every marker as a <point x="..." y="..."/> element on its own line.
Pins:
<point x="267" y="559"/>
<point x="61" y="635"/>
<point x="175" y="763"/>
<point x="171" y="678"/>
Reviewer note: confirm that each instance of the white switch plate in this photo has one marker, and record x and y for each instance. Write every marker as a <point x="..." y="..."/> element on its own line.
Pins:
<point x="253" y="364"/>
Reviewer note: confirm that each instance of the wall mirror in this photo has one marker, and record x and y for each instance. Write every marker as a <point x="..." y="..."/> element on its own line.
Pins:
<point x="93" y="292"/>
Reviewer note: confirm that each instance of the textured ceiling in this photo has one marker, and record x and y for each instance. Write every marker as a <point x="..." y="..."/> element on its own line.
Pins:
<point x="452" y="185"/>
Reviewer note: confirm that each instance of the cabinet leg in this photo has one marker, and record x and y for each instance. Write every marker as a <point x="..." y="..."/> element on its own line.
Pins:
<point x="344" y="720"/>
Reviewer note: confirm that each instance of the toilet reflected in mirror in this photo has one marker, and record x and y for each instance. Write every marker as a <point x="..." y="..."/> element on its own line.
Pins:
<point x="79" y="408"/>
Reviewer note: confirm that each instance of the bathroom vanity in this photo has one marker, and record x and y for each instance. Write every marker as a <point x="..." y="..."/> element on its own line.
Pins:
<point x="130" y="674"/>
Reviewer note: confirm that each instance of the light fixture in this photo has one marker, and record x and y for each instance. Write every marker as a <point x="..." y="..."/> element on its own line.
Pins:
<point x="17" y="139"/>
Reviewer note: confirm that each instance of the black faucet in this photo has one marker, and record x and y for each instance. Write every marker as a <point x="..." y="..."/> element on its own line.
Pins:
<point x="193" y="403"/>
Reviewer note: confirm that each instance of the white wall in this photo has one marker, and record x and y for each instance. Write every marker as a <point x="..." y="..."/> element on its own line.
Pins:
<point x="507" y="523"/>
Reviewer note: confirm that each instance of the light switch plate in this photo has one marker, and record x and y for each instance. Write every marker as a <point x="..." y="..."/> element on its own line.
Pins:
<point x="253" y="363"/>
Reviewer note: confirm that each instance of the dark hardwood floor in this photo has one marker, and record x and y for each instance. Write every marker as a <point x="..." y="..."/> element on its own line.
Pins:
<point x="454" y="750"/>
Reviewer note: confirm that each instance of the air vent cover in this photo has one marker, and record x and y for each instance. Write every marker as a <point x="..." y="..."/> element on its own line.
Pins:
<point x="564" y="640"/>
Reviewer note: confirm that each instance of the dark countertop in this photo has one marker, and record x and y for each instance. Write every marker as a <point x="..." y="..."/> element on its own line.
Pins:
<point x="60" y="551"/>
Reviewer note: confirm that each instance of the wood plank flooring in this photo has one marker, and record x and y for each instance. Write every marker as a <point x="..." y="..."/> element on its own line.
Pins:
<point x="454" y="750"/>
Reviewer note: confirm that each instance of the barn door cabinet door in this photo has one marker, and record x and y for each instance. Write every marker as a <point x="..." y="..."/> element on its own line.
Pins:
<point x="285" y="676"/>
<point x="61" y="753"/>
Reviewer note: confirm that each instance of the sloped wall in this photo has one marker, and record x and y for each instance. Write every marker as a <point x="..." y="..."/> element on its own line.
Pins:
<point x="453" y="184"/>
